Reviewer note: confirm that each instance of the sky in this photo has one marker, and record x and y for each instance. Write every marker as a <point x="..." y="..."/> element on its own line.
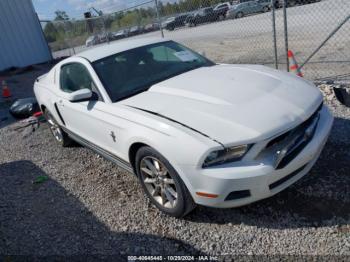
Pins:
<point x="76" y="8"/>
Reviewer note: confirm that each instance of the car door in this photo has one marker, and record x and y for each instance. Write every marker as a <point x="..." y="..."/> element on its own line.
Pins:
<point x="86" y="119"/>
<point x="200" y="16"/>
<point x="210" y="15"/>
<point x="255" y="7"/>
<point x="243" y="8"/>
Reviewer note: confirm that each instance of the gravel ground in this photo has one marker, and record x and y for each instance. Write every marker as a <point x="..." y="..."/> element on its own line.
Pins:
<point x="89" y="207"/>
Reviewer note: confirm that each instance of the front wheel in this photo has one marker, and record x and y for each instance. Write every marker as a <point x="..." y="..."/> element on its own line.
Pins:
<point x="162" y="184"/>
<point x="60" y="136"/>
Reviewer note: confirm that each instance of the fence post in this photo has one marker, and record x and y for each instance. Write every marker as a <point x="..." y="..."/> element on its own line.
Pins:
<point x="158" y="18"/>
<point x="68" y="34"/>
<point x="274" y="32"/>
<point x="104" y="28"/>
<point x="285" y="2"/>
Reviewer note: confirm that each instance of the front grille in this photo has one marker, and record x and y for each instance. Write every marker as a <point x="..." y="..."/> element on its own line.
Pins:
<point x="290" y="144"/>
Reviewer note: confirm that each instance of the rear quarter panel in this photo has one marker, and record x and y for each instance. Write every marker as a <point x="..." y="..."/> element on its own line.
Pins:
<point x="44" y="90"/>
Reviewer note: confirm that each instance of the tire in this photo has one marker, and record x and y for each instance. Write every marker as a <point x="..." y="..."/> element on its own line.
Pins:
<point x="342" y="95"/>
<point x="292" y="3"/>
<point x="60" y="136"/>
<point x="162" y="184"/>
<point x="239" y="15"/>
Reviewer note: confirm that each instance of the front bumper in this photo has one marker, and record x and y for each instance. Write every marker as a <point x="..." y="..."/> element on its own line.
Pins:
<point x="260" y="180"/>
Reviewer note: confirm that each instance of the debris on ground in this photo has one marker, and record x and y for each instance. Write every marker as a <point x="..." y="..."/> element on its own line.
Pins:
<point x="29" y="125"/>
<point x="341" y="92"/>
<point x="23" y="108"/>
<point x="40" y="179"/>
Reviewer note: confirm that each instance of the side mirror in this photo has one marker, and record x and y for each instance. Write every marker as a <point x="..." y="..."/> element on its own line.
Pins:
<point x="80" y="95"/>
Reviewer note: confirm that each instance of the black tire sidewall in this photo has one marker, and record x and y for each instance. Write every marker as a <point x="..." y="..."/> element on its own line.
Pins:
<point x="184" y="198"/>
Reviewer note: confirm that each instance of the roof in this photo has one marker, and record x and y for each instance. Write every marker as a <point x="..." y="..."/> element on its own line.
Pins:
<point x="112" y="48"/>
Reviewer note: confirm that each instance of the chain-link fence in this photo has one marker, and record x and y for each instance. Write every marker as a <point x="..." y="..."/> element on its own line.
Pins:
<point x="67" y="37"/>
<point x="240" y="31"/>
<point x="309" y="27"/>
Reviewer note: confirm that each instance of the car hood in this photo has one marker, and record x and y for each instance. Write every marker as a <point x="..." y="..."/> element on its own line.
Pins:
<point x="232" y="103"/>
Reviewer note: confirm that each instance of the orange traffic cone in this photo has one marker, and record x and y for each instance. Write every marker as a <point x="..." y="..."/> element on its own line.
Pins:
<point x="5" y="90"/>
<point x="293" y="65"/>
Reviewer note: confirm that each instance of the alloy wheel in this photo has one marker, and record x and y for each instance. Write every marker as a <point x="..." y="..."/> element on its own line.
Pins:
<point x="55" y="129"/>
<point x="158" y="182"/>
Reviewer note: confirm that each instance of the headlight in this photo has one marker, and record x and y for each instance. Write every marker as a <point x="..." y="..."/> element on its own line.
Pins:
<point x="226" y="155"/>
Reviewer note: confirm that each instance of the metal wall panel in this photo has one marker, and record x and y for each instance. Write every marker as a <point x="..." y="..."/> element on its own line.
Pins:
<point x="22" y="41"/>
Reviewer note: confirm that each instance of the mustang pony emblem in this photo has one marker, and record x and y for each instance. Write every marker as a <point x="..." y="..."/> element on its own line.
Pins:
<point x="113" y="136"/>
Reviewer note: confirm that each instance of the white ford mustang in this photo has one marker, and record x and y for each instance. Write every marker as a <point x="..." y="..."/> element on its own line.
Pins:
<point x="194" y="132"/>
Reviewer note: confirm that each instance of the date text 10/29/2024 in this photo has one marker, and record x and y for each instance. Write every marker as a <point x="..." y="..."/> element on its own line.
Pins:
<point x="172" y="258"/>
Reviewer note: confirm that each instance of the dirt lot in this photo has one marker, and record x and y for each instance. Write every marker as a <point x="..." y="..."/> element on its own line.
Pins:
<point x="89" y="207"/>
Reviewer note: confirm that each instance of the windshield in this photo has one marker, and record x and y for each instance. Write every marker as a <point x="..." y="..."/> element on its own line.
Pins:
<point x="128" y="73"/>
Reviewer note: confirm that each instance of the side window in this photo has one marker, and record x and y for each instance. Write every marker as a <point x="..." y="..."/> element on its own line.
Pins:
<point x="74" y="77"/>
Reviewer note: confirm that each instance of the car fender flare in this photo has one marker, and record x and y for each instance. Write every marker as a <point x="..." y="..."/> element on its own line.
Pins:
<point x="146" y="142"/>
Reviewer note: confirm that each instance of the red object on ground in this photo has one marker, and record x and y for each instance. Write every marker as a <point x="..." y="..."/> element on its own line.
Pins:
<point x="37" y="114"/>
<point x="5" y="90"/>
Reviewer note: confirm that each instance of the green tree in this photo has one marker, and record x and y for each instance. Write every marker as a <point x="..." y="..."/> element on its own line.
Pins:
<point x="61" y="15"/>
<point x="50" y="32"/>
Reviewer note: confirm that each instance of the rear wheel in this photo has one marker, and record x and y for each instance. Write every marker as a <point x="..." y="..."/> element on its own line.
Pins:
<point x="292" y="3"/>
<point x="60" y="136"/>
<point x="162" y="184"/>
<point x="239" y="15"/>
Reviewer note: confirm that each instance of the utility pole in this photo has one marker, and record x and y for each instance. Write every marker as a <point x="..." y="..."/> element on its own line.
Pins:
<point x="100" y="14"/>
<point x="274" y="32"/>
<point x="158" y="18"/>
